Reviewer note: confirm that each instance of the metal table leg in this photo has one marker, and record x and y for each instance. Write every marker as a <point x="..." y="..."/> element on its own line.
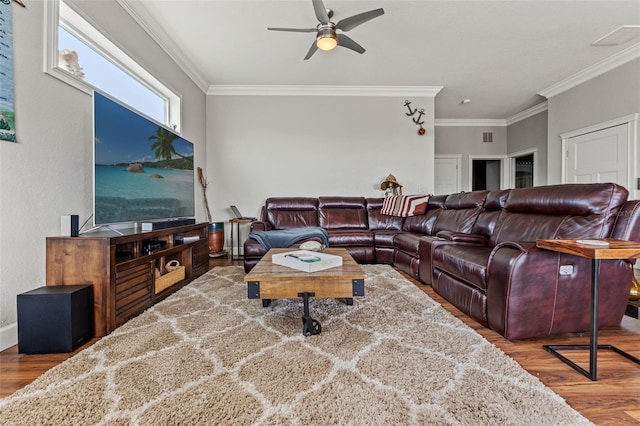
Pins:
<point x="309" y="325"/>
<point x="593" y="346"/>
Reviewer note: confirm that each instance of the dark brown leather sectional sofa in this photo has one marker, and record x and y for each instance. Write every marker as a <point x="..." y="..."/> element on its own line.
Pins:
<point x="477" y="249"/>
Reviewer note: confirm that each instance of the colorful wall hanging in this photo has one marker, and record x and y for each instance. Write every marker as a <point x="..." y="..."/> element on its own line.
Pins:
<point x="7" y="113"/>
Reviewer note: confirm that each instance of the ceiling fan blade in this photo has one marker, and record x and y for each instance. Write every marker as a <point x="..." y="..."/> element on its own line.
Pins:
<point x="347" y="42"/>
<point x="312" y="50"/>
<point x="321" y="11"/>
<point x="294" y="30"/>
<point x="351" y="22"/>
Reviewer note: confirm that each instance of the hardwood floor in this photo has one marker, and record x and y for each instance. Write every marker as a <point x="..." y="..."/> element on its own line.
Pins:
<point x="612" y="400"/>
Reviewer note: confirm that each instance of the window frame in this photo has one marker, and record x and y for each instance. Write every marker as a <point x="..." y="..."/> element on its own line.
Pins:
<point x="91" y="34"/>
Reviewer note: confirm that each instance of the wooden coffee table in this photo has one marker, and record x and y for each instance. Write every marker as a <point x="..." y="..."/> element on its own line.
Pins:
<point x="269" y="281"/>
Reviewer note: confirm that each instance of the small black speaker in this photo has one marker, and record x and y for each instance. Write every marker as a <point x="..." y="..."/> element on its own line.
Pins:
<point x="69" y="225"/>
<point x="55" y="318"/>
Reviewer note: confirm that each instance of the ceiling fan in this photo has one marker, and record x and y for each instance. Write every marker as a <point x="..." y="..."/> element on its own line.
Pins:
<point x="327" y="38"/>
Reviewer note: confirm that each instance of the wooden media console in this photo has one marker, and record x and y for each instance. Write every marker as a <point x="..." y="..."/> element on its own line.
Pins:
<point x="128" y="272"/>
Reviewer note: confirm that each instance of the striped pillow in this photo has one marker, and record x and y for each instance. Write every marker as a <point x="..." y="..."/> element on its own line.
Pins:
<point x="405" y="205"/>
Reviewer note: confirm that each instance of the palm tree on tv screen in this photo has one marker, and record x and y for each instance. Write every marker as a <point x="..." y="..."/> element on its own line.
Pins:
<point x="163" y="145"/>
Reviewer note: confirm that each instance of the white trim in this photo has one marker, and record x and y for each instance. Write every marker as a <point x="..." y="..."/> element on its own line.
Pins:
<point x="139" y="14"/>
<point x="94" y="36"/>
<point x="600" y="126"/>
<point x="530" y="112"/>
<point x="593" y="71"/>
<point x="504" y="166"/>
<point x="523" y="152"/>
<point x="8" y="336"/>
<point x="469" y="122"/>
<point x="512" y="166"/>
<point x="481" y="122"/>
<point x="320" y="90"/>
<point x="632" y="141"/>
<point x="50" y="53"/>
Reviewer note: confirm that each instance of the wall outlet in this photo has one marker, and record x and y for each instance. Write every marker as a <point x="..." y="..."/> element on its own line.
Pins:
<point x="566" y="269"/>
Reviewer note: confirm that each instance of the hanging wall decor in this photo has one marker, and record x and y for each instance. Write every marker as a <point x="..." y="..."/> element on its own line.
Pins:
<point x="412" y="112"/>
<point x="7" y="115"/>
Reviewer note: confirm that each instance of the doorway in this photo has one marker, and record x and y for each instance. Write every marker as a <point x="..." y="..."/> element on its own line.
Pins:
<point x="485" y="175"/>
<point x="524" y="171"/>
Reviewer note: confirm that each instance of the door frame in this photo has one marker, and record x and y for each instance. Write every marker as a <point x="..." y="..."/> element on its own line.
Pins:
<point x="504" y="168"/>
<point x="631" y="121"/>
<point x="458" y="159"/>
<point x="511" y="166"/>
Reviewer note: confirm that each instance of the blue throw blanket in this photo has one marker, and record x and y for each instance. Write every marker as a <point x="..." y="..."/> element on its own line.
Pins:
<point x="282" y="238"/>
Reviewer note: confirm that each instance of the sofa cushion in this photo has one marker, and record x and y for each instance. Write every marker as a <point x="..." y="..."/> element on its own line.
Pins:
<point x="407" y="242"/>
<point x="381" y="221"/>
<point x="559" y="211"/>
<point x="466" y="263"/>
<point x="423" y="224"/>
<point x="342" y="213"/>
<point x="384" y="238"/>
<point x="291" y="212"/>
<point x="487" y="219"/>
<point x="460" y="212"/>
<point x="627" y="225"/>
<point x="350" y="237"/>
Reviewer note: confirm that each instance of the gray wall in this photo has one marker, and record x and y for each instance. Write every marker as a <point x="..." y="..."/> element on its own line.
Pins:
<point x="466" y="141"/>
<point x="529" y="134"/>
<point x="264" y="146"/>
<point x="608" y="96"/>
<point x="49" y="171"/>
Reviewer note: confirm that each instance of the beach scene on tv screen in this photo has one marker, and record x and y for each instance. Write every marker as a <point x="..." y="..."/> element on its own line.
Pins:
<point x="142" y="170"/>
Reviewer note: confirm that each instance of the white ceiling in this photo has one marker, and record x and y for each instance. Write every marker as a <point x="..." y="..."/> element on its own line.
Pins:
<point x="499" y="54"/>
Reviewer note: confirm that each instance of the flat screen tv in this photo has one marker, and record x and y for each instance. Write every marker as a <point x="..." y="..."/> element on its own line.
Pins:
<point x="142" y="170"/>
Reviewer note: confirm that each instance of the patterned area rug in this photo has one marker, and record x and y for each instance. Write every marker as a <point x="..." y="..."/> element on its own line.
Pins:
<point x="208" y="355"/>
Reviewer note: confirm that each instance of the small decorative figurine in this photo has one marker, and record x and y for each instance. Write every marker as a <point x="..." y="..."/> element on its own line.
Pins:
<point x="390" y="186"/>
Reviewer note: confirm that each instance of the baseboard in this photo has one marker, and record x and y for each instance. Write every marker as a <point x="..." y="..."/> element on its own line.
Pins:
<point x="8" y="336"/>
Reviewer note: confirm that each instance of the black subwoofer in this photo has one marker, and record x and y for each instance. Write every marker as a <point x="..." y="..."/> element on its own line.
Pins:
<point x="55" y="318"/>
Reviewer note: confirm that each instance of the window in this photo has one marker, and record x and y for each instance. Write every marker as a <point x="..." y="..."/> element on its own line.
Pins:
<point x="79" y="54"/>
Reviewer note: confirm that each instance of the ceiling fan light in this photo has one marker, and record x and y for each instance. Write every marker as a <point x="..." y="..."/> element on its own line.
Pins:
<point x="326" y="39"/>
<point x="326" y="43"/>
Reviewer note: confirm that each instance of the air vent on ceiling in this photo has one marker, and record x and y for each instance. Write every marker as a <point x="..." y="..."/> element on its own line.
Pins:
<point x="487" y="137"/>
<point x="618" y="36"/>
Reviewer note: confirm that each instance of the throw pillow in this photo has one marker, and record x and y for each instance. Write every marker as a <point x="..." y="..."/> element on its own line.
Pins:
<point x="405" y="205"/>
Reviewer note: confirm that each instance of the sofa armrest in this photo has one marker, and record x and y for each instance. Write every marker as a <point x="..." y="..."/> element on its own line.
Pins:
<point x="461" y="237"/>
<point x="528" y="296"/>
<point x="259" y="226"/>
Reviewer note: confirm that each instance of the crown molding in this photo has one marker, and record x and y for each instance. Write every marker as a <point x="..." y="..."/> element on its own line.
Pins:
<point x="143" y="18"/>
<point x="479" y="122"/>
<point x="470" y="122"/>
<point x="320" y="90"/>
<point x="606" y="65"/>
<point x="536" y="109"/>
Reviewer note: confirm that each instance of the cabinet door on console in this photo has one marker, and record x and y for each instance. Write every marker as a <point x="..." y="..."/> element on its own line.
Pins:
<point x="133" y="292"/>
<point x="200" y="260"/>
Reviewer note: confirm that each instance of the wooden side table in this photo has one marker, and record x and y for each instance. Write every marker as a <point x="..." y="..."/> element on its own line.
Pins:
<point x="237" y="222"/>
<point x="614" y="249"/>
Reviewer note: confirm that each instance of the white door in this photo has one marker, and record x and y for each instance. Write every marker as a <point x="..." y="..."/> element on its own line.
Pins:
<point x="600" y="156"/>
<point x="447" y="175"/>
